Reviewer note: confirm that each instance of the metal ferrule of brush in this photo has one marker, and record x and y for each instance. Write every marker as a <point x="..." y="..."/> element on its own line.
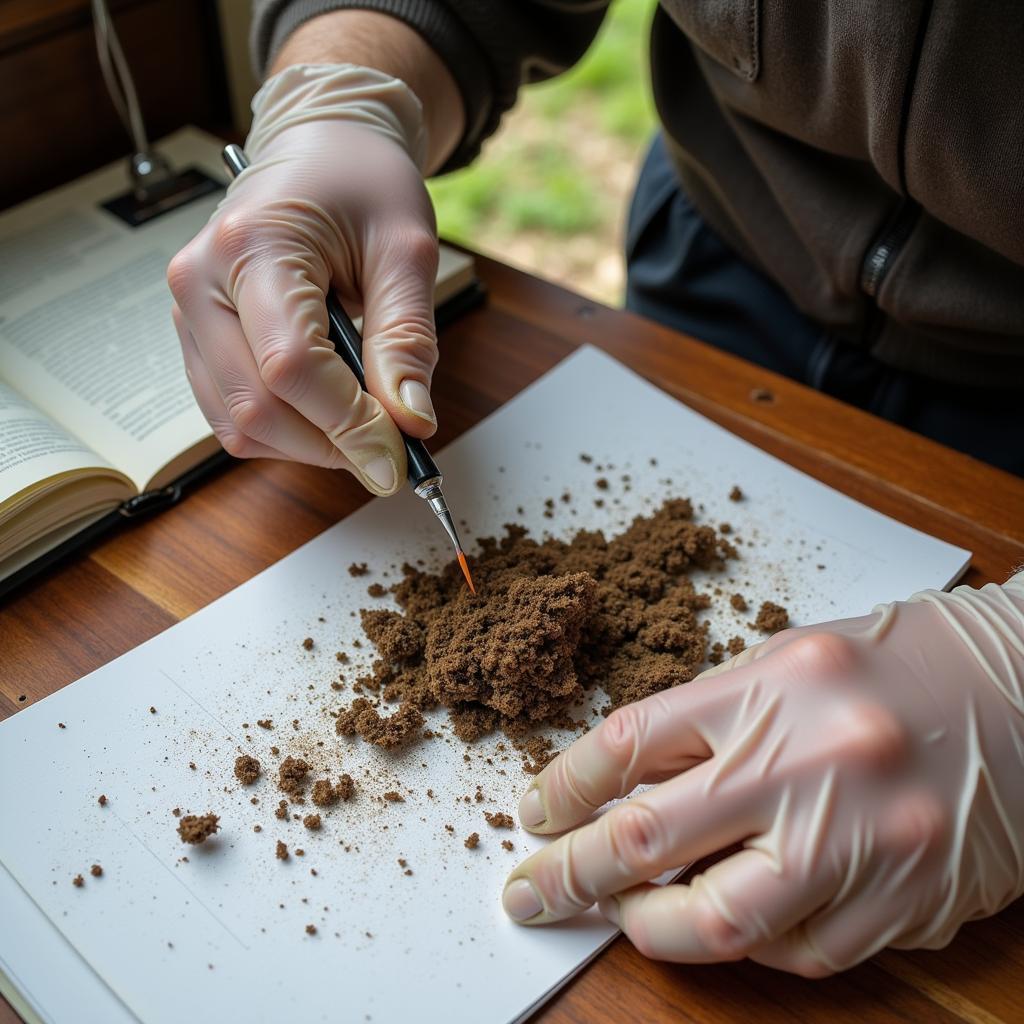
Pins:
<point x="430" y="491"/>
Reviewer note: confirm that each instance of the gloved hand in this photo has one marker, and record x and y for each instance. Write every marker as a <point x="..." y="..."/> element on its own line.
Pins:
<point x="872" y="769"/>
<point x="333" y="196"/>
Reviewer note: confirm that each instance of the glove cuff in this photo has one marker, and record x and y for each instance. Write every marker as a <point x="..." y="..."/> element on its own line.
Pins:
<point x="305" y="93"/>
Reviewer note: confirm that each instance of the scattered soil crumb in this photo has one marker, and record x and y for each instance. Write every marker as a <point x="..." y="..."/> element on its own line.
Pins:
<point x="308" y="643"/>
<point x="472" y="841"/>
<point x="247" y="769"/>
<point x="197" y="828"/>
<point x="265" y="723"/>
<point x="102" y="800"/>
<point x="507" y="844"/>
<point x="311" y="929"/>
<point x="377" y="590"/>
<point x="499" y="819"/>
<point x="312" y="821"/>
<point x="736" y="646"/>
<point x="281" y="811"/>
<point x="96" y="871"/>
<point x="739" y="602"/>
<point x="394" y="797"/>
<point x="176" y="811"/>
<point x="292" y="775"/>
<point x="281" y="851"/>
<point x="78" y="881"/>
<point x="601" y="483"/>
<point x="358" y="569"/>
<point x="152" y="711"/>
<point x="771" y="617"/>
<point x="584" y="457"/>
<point x="736" y="494"/>
<point x="390" y="732"/>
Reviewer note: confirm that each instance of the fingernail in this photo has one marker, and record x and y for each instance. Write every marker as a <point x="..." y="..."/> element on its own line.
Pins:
<point x="609" y="906"/>
<point x="416" y="398"/>
<point x="520" y="900"/>
<point x="531" y="809"/>
<point x="380" y="471"/>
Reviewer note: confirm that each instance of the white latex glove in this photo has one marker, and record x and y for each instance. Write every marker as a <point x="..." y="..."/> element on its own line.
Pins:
<point x="872" y="769"/>
<point x="333" y="196"/>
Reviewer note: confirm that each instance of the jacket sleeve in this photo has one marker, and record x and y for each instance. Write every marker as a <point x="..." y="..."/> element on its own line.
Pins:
<point x="491" y="47"/>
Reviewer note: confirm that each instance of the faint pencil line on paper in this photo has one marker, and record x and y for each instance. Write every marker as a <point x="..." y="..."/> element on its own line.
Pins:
<point x="199" y="704"/>
<point x="177" y="878"/>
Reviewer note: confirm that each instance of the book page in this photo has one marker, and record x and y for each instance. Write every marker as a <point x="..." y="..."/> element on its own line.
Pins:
<point x="49" y="480"/>
<point x="34" y="448"/>
<point x="85" y="323"/>
<point x="159" y="729"/>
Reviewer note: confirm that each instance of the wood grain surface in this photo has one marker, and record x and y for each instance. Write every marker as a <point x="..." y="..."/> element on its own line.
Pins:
<point x="140" y="582"/>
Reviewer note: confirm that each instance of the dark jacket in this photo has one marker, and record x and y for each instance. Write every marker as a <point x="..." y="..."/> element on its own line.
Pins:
<point x="866" y="154"/>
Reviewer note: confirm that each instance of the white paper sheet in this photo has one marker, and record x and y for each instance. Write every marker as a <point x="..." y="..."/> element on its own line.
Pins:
<point x="222" y="935"/>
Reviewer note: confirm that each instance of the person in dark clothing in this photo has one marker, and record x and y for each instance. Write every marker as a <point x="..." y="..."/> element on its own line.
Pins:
<point x="837" y="193"/>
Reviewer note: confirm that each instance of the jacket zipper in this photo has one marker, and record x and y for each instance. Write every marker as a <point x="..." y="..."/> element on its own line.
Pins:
<point x="886" y="246"/>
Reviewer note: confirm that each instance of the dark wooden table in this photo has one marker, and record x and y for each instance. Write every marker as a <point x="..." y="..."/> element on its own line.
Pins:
<point x="146" y="579"/>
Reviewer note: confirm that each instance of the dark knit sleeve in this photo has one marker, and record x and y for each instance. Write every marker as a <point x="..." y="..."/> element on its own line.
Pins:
<point x="491" y="47"/>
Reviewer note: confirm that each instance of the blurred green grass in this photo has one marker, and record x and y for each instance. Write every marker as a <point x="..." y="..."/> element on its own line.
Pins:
<point x="545" y="177"/>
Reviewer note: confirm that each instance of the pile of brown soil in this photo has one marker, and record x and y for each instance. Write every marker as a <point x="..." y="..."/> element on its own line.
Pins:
<point x="550" y="619"/>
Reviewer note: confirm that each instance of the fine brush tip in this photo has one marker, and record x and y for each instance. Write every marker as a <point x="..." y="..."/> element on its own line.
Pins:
<point x="465" y="571"/>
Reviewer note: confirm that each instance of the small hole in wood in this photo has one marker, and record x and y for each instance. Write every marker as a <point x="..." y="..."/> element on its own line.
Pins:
<point x="22" y="699"/>
<point x="762" y="395"/>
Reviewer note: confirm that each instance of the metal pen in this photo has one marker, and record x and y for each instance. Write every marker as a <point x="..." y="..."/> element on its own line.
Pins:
<point x="424" y="475"/>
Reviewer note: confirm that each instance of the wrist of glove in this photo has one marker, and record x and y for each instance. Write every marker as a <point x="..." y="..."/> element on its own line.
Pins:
<point x="347" y="93"/>
<point x="871" y="770"/>
<point x="333" y="198"/>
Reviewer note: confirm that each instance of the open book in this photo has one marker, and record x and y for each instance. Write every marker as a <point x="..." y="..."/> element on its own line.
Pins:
<point x="95" y="407"/>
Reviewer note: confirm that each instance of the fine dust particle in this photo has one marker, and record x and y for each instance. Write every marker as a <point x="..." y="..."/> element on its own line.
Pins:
<point x="507" y="844"/>
<point x="78" y="881"/>
<point x="192" y="765"/>
<point x="96" y="871"/>
<point x="152" y="711"/>
<point x="402" y="862"/>
<point x="307" y="644"/>
<point x="311" y="929"/>
<point x="358" y="569"/>
<point x="394" y="797"/>
<point x="472" y="841"/>
<point x="601" y="483"/>
<point x="102" y="801"/>
<point x="281" y="851"/>
<point x="291" y="775"/>
<point x="197" y="828"/>
<point x="376" y="590"/>
<point x="312" y="821"/>
<point x="736" y="494"/>
<point x="739" y="602"/>
<point x="584" y="457"/>
<point x="499" y="819"/>
<point x="771" y="617"/>
<point x="61" y="725"/>
<point x="247" y="769"/>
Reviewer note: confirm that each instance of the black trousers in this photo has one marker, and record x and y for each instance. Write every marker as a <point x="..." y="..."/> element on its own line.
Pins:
<point x="683" y="275"/>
